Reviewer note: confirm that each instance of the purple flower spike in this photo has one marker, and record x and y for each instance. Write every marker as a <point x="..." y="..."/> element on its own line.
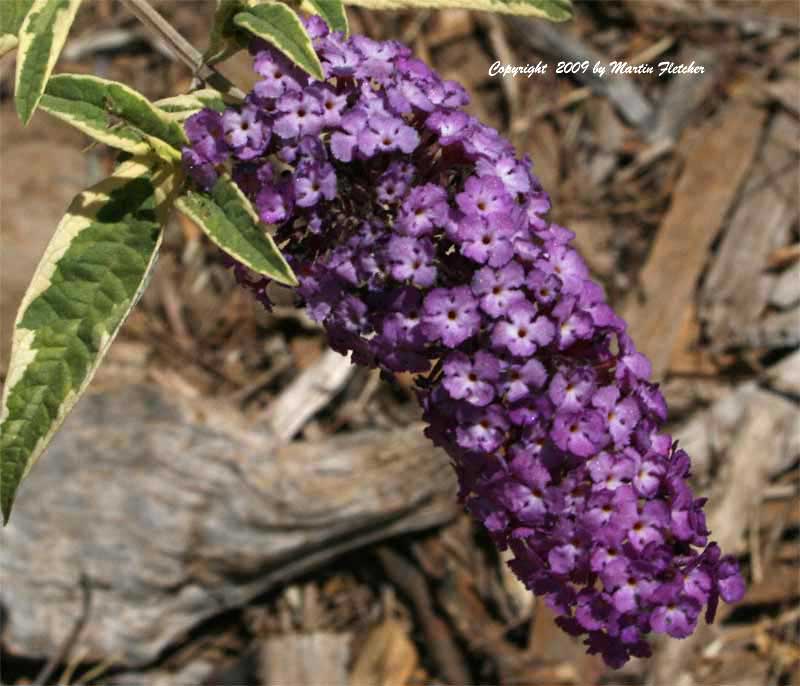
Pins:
<point x="422" y="244"/>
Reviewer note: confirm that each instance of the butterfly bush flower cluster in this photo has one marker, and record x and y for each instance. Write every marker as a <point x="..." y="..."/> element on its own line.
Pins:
<point x="421" y="244"/>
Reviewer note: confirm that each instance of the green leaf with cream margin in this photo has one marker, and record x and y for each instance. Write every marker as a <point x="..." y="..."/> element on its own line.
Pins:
<point x="114" y="114"/>
<point x="226" y="40"/>
<point x="554" y="10"/>
<point x="229" y="220"/>
<point x="332" y="11"/>
<point x="91" y="275"/>
<point x="280" y="26"/>
<point x="12" y="14"/>
<point x="180" y="107"/>
<point x="41" y="37"/>
<point x="223" y="41"/>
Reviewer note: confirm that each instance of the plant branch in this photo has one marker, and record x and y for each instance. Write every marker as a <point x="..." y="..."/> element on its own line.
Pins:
<point x="183" y="50"/>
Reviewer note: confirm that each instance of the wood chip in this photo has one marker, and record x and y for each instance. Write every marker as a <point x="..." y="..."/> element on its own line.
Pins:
<point x="786" y="93"/>
<point x="737" y="286"/>
<point x="444" y="650"/>
<point x="297" y="659"/>
<point x="177" y="511"/>
<point x="780" y="330"/>
<point x="681" y="246"/>
<point x="784" y="377"/>
<point x="786" y="289"/>
<point x="683" y="96"/>
<point x="756" y="449"/>
<point x="308" y="394"/>
<point x="387" y="657"/>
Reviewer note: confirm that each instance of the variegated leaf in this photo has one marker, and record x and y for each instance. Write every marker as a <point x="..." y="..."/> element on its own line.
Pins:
<point x="88" y="280"/>
<point x="12" y="14"/>
<point x="93" y="104"/>
<point x="181" y="107"/>
<point x="333" y="12"/>
<point x="41" y="37"/>
<point x="229" y="220"/>
<point x="96" y="123"/>
<point x="554" y="10"/>
<point x="280" y="26"/>
<point x="223" y="43"/>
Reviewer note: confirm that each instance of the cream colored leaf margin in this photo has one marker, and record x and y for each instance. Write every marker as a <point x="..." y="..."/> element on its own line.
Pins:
<point x="41" y="37"/>
<point x="166" y="181"/>
<point x="554" y="10"/>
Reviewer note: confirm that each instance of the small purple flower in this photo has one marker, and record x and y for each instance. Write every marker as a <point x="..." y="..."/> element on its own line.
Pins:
<point x="312" y="182"/>
<point x="520" y="381"/>
<point x="385" y="134"/>
<point x="482" y="429"/>
<point x="622" y="414"/>
<point x="483" y="197"/>
<point x="579" y="433"/>
<point x="299" y="115"/>
<point x="274" y="203"/>
<point x="649" y="526"/>
<point x="402" y="322"/>
<point x="340" y="61"/>
<point x="647" y="478"/>
<point x="451" y="126"/>
<point x="522" y="332"/>
<point x="343" y="143"/>
<point x="513" y="173"/>
<point x="201" y="171"/>
<point x="412" y="260"/>
<point x="567" y="265"/>
<point x="394" y="183"/>
<point x="471" y="380"/>
<point x="280" y="75"/>
<point x="571" y="394"/>
<point x="207" y="136"/>
<point x="450" y="315"/>
<point x="544" y="287"/>
<point x="332" y="104"/>
<point x="424" y="209"/>
<point x="245" y="133"/>
<point x="675" y="616"/>
<point x="487" y="240"/>
<point x="573" y="324"/>
<point x="498" y="289"/>
<point x="731" y="584"/>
